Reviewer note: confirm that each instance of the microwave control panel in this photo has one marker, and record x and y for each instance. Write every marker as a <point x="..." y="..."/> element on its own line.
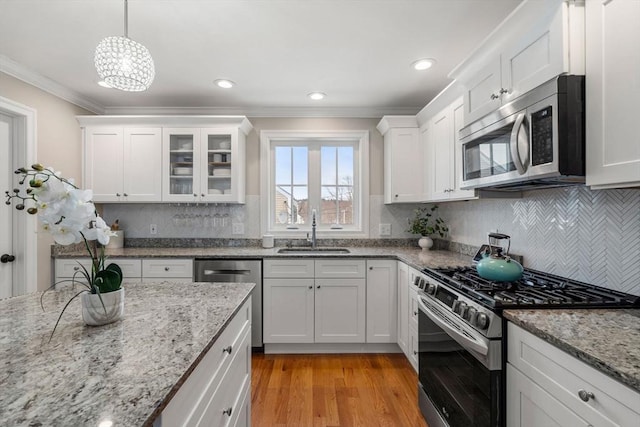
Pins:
<point x="542" y="136"/>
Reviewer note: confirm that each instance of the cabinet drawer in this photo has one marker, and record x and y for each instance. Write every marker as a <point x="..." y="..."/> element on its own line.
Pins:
<point x="167" y="268"/>
<point x="131" y="267"/>
<point x="225" y="405"/>
<point x="193" y="397"/>
<point x="563" y="375"/>
<point x="347" y="269"/>
<point x="288" y="268"/>
<point x="66" y="268"/>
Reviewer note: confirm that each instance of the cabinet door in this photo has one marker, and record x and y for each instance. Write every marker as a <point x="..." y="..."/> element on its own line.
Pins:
<point x="288" y="314"/>
<point x="403" y="307"/>
<point x="528" y="405"/>
<point x="441" y="161"/>
<point x="103" y="165"/>
<point x="142" y="155"/>
<point x="219" y="173"/>
<point x="482" y="92"/>
<point x="538" y="56"/>
<point x="612" y="90"/>
<point x="403" y="153"/>
<point x="181" y="164"/>
<point x="382" y="301"/>
<point x="340" y="310"/>
<point x="412" y="351"/>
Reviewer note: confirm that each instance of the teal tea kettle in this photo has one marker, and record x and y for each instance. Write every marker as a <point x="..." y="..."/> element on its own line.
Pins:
<point x="496" y="266"/>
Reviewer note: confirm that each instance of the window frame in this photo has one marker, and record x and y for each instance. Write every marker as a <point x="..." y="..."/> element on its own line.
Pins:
<point x="359" y="139"/>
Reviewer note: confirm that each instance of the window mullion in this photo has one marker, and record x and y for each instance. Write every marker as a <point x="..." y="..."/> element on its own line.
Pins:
<point x="315" y="193"/>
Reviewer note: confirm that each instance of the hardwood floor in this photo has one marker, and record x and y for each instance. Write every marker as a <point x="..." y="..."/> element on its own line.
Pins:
<point x="330" y="390"/>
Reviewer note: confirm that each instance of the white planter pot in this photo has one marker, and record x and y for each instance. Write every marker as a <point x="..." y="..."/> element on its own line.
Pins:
<point x="425" y="243"/>
<point x="94" y="313"/>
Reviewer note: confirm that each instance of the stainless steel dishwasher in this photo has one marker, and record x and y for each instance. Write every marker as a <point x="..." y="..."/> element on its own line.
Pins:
<point x="233" y="271"/>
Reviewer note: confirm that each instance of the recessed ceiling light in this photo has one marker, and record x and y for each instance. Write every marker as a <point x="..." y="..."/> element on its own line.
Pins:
<point x="225" y="84"/>
<point x="317" y="96"/>
<point x="104" y="84"/>
<point x="423" y="64"/>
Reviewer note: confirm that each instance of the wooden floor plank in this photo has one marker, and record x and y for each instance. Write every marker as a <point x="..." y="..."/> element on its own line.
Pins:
<point x="334" y="391"/>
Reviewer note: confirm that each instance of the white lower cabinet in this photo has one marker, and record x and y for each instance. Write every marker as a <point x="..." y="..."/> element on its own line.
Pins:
<point x="162" y="269"/>
<point x="67" y="270"/>
<point x="218" y="391"/>
<point x="382" y="301"/>
<point x="548" y="387"/>
<point x="326" y="303"/>
<point x="347" y="301"/>
<point x="412" y="350"/>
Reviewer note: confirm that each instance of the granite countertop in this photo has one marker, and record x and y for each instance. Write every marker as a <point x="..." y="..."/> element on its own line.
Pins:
<point x="608" y="340"/>
<point x="125" y="372"/>
<point x="413" y="256"/>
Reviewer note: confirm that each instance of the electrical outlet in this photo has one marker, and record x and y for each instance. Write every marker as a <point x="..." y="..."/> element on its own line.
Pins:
<point x="153" y="229"/>
<point x="385" y="229"/>
<point x="237" y="228"/>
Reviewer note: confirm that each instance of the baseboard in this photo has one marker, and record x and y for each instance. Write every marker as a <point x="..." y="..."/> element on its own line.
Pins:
<point x="323" y="348"/>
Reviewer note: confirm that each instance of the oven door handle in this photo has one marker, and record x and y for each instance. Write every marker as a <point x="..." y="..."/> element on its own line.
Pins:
<point x="476" y="343"/>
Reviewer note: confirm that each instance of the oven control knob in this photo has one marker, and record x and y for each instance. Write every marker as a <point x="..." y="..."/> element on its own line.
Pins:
<point x="462" y="309"/>
<point x="482" y="321"/>
<point x="471" y="314"/>
<point x="431" y="288"/>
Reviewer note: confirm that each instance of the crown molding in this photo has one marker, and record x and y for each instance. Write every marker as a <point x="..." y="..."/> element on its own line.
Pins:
<point x="350" y="112"/>
<point x="19" y="71"/>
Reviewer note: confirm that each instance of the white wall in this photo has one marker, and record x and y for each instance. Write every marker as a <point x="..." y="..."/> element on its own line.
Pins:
<point x="58" y="144"/>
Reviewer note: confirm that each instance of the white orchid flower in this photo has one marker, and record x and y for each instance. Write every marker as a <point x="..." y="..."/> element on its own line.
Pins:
<point x="99" y="230"/>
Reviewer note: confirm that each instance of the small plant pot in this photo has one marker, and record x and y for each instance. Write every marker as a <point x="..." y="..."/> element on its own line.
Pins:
<point x="94" y="313"/>
<point x="425" y="243"/>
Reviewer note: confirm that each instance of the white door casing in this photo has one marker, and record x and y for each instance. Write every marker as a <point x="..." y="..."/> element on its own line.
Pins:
<point x="22" y="121"/>
<point x="6" y="214"/>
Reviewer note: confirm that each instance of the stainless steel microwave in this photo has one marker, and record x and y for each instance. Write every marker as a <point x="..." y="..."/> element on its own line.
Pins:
<point x="535" y="141"/>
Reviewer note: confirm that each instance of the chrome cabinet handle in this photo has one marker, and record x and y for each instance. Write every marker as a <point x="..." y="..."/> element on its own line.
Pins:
<point x="166" y="269"/>
<point x="227" y="349"/>
<point x="503" y="91"/>
<point x="76" y="268"/>
<point x="415" y="313"/>
<point x="202" y="195"/>
<point x="585" y="395"/>
<point x="494" y="96"/>
<point x="415" y="353"/>
<point x="318" y="286"/>
<point x="117" y="194"/>
<point x="125" y="195"/>
<point x="228" y="411"/>
<point x="370" y="268"/>
<point x="310" y="287"/>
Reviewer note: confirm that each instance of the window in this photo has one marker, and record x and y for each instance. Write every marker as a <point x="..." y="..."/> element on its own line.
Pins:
<point x="306" y="172"/>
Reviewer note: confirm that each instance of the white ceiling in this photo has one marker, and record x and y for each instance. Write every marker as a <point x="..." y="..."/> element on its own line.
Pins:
<point x="277" y="51"/>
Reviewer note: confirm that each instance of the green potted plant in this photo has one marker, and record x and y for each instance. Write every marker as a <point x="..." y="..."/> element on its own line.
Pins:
<point x="69" y="215"/>
<point x="426" y="224"/>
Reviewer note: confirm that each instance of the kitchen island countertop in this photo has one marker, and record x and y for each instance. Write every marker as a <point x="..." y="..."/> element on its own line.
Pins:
<point x="606" y="339"/>
<point x="125" y="372"/>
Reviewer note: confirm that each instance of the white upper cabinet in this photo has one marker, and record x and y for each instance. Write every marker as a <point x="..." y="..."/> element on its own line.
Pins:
<point x="403" y="154"/>
<point x="612" y="93"/>
<point x="441" y="122"/>
<point x="165" y="158"/>
<point x="537" y="42"/>
<point x="122" y="164"/>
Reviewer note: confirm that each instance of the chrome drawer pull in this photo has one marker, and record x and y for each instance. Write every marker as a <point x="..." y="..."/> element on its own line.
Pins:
<point x="228" y="349"/>
<point x="585" y="395"/>
<point x="227" y="411"/>
<point x="166" y="269"/>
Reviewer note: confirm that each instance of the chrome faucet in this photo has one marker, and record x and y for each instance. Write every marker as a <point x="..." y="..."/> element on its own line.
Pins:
<point x="313" y="240"/>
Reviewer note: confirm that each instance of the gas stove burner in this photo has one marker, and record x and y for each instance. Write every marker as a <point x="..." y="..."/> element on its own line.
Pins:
<point x="535" y="289"/>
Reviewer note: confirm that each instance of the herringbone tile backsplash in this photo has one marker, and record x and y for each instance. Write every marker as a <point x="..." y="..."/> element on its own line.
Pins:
<point x="591" y="236"/>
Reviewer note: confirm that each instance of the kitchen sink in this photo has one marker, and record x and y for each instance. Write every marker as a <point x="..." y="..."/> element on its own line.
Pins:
<point x="308" y="250"/>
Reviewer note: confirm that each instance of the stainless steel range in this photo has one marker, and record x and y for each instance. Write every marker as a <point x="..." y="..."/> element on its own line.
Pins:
<point x="461" y="330"/>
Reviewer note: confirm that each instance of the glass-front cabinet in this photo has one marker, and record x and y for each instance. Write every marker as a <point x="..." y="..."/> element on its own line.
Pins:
<point x="204" y="164"/>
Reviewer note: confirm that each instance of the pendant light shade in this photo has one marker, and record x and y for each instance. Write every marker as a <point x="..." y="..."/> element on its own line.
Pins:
<point x="123" y="63"/>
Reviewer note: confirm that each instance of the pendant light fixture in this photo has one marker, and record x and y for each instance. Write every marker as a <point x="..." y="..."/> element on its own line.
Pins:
<point x="123" y="63"/>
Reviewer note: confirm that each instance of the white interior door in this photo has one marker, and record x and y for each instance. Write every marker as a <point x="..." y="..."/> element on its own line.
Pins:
<point x="6" y="212"/>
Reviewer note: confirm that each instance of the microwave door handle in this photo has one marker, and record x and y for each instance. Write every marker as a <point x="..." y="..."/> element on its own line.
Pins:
<point x="516" y="141"/>
<point x="473" y="344"/>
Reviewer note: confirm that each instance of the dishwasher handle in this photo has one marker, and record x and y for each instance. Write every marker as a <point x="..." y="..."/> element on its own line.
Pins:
<point x="227" y="272"/>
